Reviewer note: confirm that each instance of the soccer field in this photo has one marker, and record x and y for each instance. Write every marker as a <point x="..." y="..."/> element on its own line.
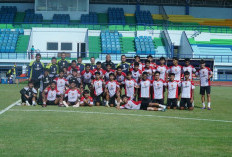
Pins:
<point x="101" y="131"/>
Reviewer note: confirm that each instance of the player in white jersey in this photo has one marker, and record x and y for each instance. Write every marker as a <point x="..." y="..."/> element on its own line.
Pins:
<point x="98" y="85"/>
<point x="172" y="86"/>
<point x="136" y="73"/>
<point x="112" y="91"/>
<point x="72" y="96"/>
<point x="145" y="85"/>
<point x="149" y="69"/>
<point x="205" y="74"/>
<point x="51" y="96"/>
<point x="130" y="104"/>
<point x="152" y="64"/>
<point x="120" y="77"/>
<point x="87" y="76"/>
<point x="86" y="100"/>
<point x="187" y="87"/>
<point x="131" y="86"/>
<point x="99" y="69"/>
<point x="158" y="86"/>
<point x="163" y="69"/>
<point x="61" y="83"/>
<point x="189" y="68"/>
<point x="141" y="65"/>
<point x="177" y="70"/>
<point x="108" y="72"/>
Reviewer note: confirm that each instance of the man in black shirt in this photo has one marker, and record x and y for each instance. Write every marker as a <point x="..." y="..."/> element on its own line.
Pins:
<point x="108" y="61"/>
<point x="28" y="95"/>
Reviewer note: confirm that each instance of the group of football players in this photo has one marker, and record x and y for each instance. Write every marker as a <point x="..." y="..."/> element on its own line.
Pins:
<point x="125" y="86"/>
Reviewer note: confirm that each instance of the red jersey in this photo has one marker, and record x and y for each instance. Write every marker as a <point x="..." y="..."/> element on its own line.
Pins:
<point x="72" y="94"/>
<point x="89" y="100"/>
<point x="51" y="94"/>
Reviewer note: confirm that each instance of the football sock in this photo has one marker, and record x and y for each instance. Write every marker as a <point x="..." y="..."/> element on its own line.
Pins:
<point x="160" y="109"/>
<point x="209" y="104"/>
<point x="33" y="102"/>
<point x="27" y="103"/>
<point x="107" y="103"/>
<point x="203" y="104"/>
<point x="162" y="106"/>
<point x="178" y="103"/>
<point x="44" y="103"/>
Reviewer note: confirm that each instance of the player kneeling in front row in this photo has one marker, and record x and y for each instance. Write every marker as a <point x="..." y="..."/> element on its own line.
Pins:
<point x="136" y="105"/>
<point x="51" y="96"/>
<point x="72" y="96"/>
<point x="187" y="88"/>
<point x="86" y="100"/>
<point x="28" y="95"/>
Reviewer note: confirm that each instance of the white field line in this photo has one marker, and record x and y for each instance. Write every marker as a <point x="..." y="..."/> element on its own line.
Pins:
<point x="9" y="107"/>
<point x="124" y="114"/>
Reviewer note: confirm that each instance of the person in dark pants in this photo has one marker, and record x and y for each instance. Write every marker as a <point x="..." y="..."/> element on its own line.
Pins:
<point x="36" y="69"/>
<point x="28" y="95"/>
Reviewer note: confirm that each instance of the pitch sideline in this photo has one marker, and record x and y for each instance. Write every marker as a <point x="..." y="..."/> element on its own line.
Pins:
<point x="9" y="107"/>
<point x="123" y="114"/>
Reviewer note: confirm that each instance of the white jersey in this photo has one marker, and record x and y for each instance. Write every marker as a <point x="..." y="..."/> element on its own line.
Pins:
<point x="136" y="75"/>
<point x="51" y="94"/>
<point x="145" y="88"/>
<point x="112" y="87"/>
<point x="72" y="94"/>
<point x="98" y="87"/>
<point x="131" y="105"/>
<point x="121" y="78"/>
<point x="204" y="73"/>
<point x="191" y="70"/>
<point x="86" y="76"/>
<point x="177" y="70"/>
<point x="186" y="89"/>
<point x="130" y="88"/>
<point x="60" y="84"/>
<point x="89" y="100"/>
<point x="150" y="71"/>
<point x="172" y="89"/>
<point x="163" y="71"/>
<point x="158" y="88"/>
<point x="141" y="65"/>
<point x="107" y="75"/>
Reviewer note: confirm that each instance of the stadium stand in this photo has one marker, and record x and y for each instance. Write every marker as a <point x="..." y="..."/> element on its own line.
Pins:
<point x="90" y="18"/>
<point x="31" y="17"/>
<point x="7" y="14"/>
<point x="116" y="16"/>
<point x="61" y="19"/>
<point x="143" y="17"/>
<point x="110" y="42"/>
<point x="144" y="45"/>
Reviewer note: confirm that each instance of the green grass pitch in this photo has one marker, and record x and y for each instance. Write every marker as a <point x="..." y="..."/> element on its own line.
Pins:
<point x="107" y="132"/>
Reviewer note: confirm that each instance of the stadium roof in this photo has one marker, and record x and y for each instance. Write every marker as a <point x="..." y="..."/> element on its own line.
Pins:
<point x="202" y="3"/>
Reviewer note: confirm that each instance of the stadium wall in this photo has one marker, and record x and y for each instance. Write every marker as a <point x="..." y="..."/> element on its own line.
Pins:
<point x="198" y="12"/>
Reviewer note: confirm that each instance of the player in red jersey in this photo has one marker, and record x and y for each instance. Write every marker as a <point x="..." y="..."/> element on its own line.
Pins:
<point x="112" y="91"/>
<point x="98" y="85"/>
<point x="205" y="74"/>
<point x="61" y="83"/>
<point x="51" y="96"/>
<point x="86" y="100"/>
<point x="72" y="96"/>
<point x="187" y="87"/>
